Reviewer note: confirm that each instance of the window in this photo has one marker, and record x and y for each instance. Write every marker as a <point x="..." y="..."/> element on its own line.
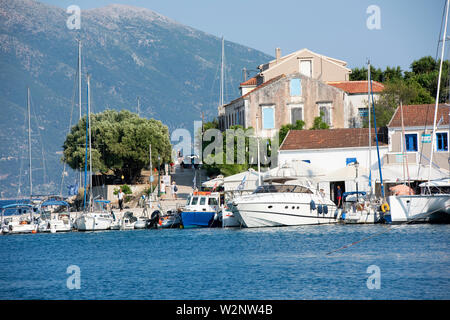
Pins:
<point x="296" y="113"/>
<point x="194" y="201"/>
<point x="326" y="110"/>
<point x="411" y="142"/>
<point x="202" y="201"/>
<point x="212" y="201"/>
<point x="363" y="113"/>
<point x="296" y="87"/>
<point x="306" y="67"/>
<point x="268" y="118"/>
<point x="442" y="141"/>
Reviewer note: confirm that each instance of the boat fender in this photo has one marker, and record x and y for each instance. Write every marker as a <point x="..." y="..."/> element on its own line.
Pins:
<point x="325" y="209"/>
<point x="385" y="207"/>
<point x="319" y="208"/>
<point x="312" y="205"/>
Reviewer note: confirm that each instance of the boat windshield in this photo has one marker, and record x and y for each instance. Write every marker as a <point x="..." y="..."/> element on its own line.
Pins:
<point x="212" y="202"/>
<point x="270" y="188"/>
<point x="194" y="201"/>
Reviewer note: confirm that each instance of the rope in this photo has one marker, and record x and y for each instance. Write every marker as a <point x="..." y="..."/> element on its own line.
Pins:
<point x="385" y="231"/>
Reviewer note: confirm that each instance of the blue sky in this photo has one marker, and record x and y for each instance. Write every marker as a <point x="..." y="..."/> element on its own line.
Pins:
<point x="409" y="29"/>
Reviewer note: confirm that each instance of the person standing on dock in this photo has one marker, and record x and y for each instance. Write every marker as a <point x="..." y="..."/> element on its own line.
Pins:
<point x="120" y="195"/>
<point x="174" y="190"/>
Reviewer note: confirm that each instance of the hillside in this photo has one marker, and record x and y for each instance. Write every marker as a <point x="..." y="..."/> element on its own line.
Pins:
<point x="130" y="52"/>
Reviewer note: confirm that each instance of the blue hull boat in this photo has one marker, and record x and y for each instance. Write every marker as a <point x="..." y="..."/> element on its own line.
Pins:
<point x="197" y="219"/>
<point x="200" y="210"/>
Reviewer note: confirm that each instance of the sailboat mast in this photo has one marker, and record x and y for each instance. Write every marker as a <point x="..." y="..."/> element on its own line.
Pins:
<point x="79" y="89"/>
<point x="370" y="127"/>
<point x="29" y="142"/>
<point x="222" y="72"/>
<point x="90" y="141"/>
<point x="444" y="37"/>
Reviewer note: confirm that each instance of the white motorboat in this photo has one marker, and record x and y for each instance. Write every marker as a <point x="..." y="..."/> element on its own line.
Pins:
<point x="128" y="221"/>
<point x="56" y="221"/>
<point x="228" y="219"/>
<point x="283" y="205"/>
<point x="141" y="223"/>
<point x="432" y="205"/>
<point x="20" y="221"/>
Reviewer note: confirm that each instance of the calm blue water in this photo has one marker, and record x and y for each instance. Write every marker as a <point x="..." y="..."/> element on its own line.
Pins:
<point x="270" y="263"/>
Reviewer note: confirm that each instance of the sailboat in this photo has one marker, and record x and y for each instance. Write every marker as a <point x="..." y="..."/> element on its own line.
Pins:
<point x="91" y="220"/>
<point x="360" y="207"/>
<point x="22" y="221"/>
<point x="433" y="204"/>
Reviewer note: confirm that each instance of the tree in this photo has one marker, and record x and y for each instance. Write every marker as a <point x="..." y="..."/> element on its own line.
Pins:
<point x="299" y="124"/>
<point x="319" y="123"/>
<point x="120" y="142"/>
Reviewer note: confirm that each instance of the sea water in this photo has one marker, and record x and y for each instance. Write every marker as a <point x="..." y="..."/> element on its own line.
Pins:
<point x="404" y="262"/>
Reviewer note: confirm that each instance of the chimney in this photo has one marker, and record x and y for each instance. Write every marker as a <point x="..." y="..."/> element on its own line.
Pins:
<point x="278" y="54"/>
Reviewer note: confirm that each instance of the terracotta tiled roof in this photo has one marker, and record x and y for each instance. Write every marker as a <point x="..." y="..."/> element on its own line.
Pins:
<point x="331" y="138"/>
<point x="356" y="86"/>
<point x="250" y="82"/>
<point x="257" y="88"/>
<point x="419" y="115"/>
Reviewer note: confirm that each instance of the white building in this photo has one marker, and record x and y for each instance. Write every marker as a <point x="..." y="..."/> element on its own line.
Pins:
<point x="333" y="150"/>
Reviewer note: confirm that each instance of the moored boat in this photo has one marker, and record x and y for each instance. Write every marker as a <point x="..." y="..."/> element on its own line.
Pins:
<point x="200" y="210"/>
<point x="283" y="205"/>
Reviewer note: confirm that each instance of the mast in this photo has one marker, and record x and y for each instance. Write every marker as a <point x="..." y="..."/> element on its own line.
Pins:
<point x="222" y="72"/>
<point x="86" y="153"/>
<point x="90" y="140"/>
<point x="29" y="141"/>
<point x="444" y="37"/>
<point x="370" y="128"/>
<point x="376" y="139"/>
<point x="79" y="87"/>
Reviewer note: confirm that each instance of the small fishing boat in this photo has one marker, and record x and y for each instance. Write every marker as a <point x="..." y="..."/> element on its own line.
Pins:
<point x="128" y="221"/>
<point x="200" y="210"/>
<point x="172" y="219"/>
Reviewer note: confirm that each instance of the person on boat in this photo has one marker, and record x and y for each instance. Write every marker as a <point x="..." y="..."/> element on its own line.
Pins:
<point x="120" y="196"/>
<point x="322" y="193"/>
<point x="174" y="190"/>
<point x="339" y="196"/>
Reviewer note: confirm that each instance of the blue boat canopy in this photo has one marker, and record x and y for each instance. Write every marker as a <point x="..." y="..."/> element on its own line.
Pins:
<point x="102" y="201"/>
<point x="13" y="205"/>
<point x="54" y="203"/>
<point x="345" y="194"/>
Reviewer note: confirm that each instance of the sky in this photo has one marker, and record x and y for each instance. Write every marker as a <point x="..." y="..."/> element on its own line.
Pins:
<point x="400" y="32"/>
